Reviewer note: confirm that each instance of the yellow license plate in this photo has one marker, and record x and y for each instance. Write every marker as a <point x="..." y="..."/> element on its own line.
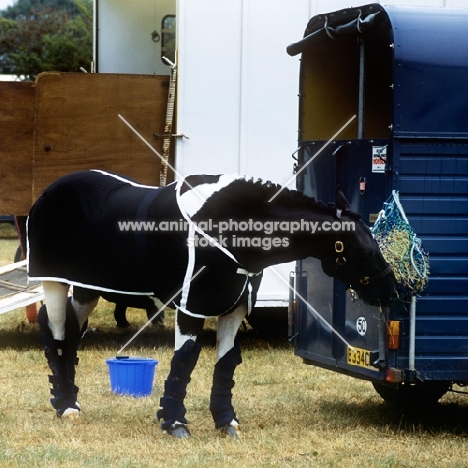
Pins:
<point x="359" y="357"/>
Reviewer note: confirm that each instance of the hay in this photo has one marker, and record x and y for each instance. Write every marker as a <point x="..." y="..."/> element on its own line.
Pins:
<point x="401" y="248"/>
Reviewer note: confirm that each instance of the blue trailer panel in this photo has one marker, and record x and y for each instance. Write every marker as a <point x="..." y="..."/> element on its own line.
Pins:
<point x="404" y="73"/>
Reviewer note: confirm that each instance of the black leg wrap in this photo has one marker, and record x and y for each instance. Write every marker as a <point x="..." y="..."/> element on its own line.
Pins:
<point x="62" y="358"/>
<point x="175" y="387"/>
<point x="221" y="396"/>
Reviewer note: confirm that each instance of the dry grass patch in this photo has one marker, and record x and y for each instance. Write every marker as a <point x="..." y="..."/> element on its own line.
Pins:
<point x="292" y="415"/>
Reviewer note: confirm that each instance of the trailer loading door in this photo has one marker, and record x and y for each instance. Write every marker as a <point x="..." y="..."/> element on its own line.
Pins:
<point x="403" y="73"/>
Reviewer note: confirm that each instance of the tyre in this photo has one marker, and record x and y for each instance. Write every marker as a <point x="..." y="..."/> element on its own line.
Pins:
<point x="419" y="395"/>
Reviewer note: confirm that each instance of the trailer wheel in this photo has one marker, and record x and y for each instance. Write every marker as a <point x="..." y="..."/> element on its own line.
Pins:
<point x="269" y="320"/>
<point x="417" y="396"/>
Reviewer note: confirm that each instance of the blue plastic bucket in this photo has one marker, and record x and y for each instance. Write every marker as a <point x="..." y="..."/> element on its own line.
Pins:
<point x="132" y="376"/>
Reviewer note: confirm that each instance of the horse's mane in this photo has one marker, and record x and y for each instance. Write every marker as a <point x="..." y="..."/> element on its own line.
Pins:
<point x="284" y="197"/>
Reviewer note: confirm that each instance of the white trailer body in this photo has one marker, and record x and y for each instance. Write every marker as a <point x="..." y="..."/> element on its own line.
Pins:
<point x="236" y="86"/>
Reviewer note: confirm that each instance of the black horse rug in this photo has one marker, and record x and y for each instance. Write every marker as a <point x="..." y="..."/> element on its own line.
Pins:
<point x="140" y="240"/>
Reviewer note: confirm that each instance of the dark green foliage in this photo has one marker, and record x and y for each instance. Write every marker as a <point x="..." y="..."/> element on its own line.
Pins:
<point x="46" y="35"/>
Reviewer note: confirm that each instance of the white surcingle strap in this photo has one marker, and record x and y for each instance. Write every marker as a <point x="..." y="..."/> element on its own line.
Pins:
<point x="242" y="271"/>
<point x="190" y="267"/>
<point x="189" y="205"/>
<point x="249" y="274"/>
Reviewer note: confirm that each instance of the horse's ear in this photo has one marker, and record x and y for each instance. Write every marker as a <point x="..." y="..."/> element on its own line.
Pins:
<point x="341" y="202"/>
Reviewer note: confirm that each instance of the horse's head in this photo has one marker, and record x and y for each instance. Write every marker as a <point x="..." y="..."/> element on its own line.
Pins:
<point x="356" y="260"/>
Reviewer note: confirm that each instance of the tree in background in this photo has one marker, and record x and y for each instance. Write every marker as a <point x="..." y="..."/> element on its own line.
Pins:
<point x="46" y="35"/>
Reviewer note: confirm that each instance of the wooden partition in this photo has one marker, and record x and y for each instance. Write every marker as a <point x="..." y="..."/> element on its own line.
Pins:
<point x="66" y="122"/>
<point x="16" y="146"/>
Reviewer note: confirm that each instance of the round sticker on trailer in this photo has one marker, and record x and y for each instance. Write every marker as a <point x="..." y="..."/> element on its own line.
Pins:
<point x="361" y="326"/>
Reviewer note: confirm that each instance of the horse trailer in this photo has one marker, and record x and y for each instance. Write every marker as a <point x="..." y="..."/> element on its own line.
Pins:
<point x="403" y="73"/>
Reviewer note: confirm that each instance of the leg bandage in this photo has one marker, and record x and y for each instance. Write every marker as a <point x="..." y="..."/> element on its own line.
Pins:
<point x="175" y="387"/>
<point x="221" y="392"/>
<point x="62" y="358"/>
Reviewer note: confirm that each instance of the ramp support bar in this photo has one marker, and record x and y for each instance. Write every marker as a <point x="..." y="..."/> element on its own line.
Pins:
<point x="412" y="333"/>
<point x="384" y="312"/>
<point x="361" y="88"/>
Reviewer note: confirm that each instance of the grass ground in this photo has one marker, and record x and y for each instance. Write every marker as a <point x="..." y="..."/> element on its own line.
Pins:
<point x="292" y="415"/>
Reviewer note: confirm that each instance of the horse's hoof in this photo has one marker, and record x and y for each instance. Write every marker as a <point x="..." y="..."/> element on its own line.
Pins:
<point x="70" y="414"/>
<point x="179" y="431"/>
<point x="231" y="431"/>
<point x="122" y="324"/>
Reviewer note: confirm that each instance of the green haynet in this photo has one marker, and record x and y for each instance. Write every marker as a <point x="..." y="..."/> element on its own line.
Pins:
<point x="401" y="248"/>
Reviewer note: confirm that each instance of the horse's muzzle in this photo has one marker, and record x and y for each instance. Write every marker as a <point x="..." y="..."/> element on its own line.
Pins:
<point x="381" y="293"/>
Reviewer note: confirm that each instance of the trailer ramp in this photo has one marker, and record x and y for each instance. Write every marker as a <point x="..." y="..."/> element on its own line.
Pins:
<point x="16" y="290"/>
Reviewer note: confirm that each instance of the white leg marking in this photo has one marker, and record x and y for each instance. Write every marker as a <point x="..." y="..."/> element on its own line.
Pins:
<point x="179" y="338"/>
<point x="82" y="311"/>
<point x="56" y="295"/>
<point x="228" y="326"/>
<point x="157" y="302"/>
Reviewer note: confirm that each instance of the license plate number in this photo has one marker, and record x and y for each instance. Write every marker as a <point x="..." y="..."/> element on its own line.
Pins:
<point x="359" y="357"/>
